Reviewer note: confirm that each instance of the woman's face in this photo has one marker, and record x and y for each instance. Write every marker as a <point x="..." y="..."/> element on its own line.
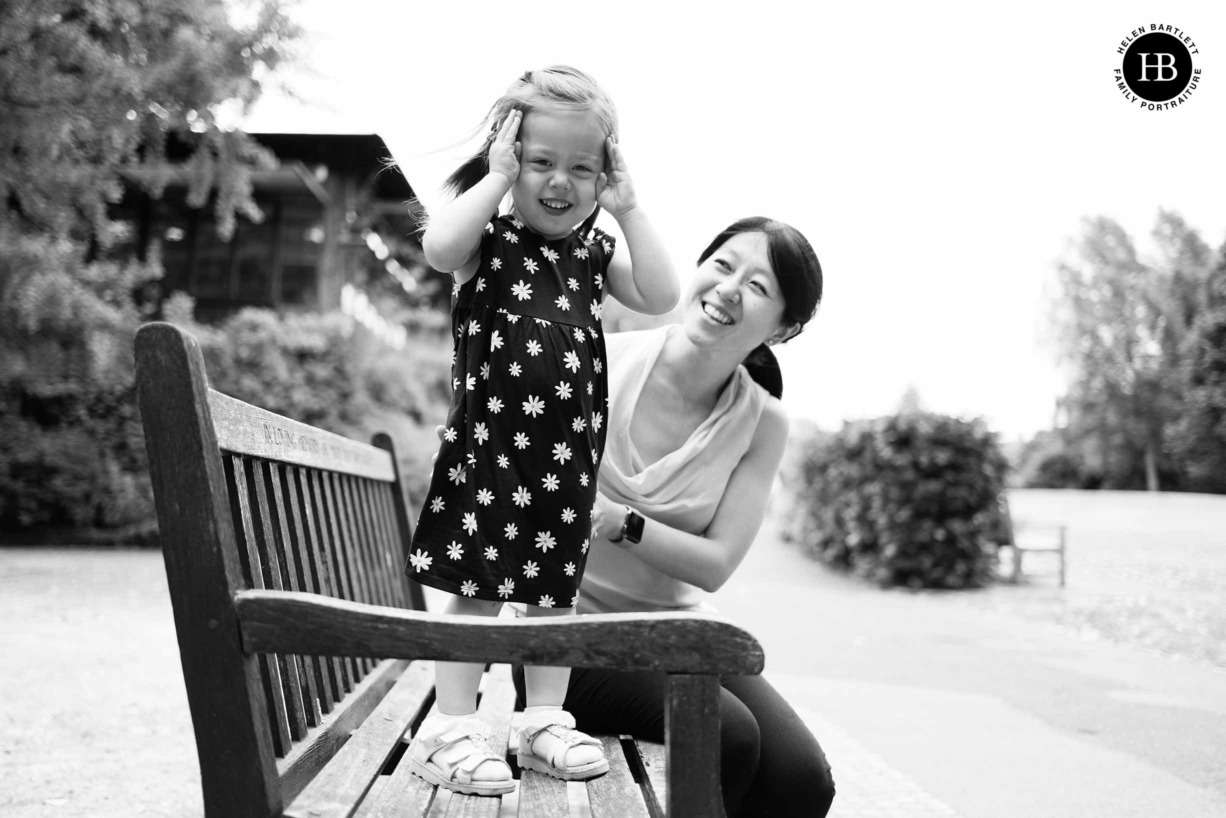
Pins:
<point x="735" y="301"/>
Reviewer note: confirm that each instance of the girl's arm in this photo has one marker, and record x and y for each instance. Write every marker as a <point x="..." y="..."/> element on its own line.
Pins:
<point x="708" y="560"/>
<point x="452" y="240"/>
<point x="646" y="281"/>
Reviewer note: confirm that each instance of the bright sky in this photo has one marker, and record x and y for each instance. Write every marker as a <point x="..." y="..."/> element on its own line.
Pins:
<point x="938" y="156"/>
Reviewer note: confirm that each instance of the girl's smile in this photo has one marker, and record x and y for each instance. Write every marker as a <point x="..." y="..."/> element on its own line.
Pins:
<point x="561" y="159"/>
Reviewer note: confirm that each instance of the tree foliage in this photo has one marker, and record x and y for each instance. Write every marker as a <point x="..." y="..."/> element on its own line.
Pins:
<point x="90" y="92"/>
<point x="1121" y="326"/>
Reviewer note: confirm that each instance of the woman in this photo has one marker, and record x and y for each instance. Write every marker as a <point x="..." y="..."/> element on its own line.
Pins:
<point x="692" y="450"/>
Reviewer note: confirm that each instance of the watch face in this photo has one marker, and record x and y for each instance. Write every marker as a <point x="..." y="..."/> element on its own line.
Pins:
<point x="634" y="527"/>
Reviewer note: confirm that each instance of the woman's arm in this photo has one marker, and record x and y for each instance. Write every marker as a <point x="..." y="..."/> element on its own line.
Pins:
<point x="708" y="560"/>
<point x="452" y="239"/>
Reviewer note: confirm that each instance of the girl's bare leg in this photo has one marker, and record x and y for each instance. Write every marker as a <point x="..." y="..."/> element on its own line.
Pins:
<point x="545" y="691"/>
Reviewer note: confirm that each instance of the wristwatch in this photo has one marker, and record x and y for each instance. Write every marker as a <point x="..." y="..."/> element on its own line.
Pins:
<point x="632" y="527"/>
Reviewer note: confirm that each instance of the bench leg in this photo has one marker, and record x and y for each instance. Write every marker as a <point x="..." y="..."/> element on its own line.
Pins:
<point x="691" y="728"/>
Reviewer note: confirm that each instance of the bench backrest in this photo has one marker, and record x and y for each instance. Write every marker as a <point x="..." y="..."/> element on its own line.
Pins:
<point x="249" y="499"/>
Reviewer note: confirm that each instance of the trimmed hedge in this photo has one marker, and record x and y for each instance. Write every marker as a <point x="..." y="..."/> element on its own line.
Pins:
<point x="907" y="499"/>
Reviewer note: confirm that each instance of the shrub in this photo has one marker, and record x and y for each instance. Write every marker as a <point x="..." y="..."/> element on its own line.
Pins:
<point x="901" y="500"/>
<point x="323" y="370"/>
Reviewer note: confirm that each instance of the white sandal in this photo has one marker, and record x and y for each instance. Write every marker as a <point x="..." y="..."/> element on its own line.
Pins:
<point x="561" y="726"/>
<point x="431" y="761"/>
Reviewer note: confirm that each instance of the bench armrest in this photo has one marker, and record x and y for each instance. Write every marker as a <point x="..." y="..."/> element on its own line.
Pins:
<point x="314" y="625"/>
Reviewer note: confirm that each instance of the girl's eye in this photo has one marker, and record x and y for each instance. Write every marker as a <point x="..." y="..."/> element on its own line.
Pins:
<point x="541" y="162"/>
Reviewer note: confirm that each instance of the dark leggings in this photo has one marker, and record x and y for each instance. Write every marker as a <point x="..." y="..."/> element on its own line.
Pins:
<point x="770" y="764"/>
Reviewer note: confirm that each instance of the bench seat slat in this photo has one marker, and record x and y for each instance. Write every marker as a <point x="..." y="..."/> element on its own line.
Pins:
<point x="339" y="787"/>
<point x="653" y="755"/>
<point x="616" y="794"/>
<point x="497" y="702"/>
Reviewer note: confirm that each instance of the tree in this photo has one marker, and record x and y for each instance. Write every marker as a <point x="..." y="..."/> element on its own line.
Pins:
<point x="1199" y="437"/>
<point x="1122" y="327"/>
<point x="90" y="92"/>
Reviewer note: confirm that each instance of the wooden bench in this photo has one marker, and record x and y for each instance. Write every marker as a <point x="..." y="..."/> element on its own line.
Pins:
<point x="1020" y="539"/>
<point x="304" y="645"/>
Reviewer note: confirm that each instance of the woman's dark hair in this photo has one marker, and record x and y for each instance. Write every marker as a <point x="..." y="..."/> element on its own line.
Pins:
<point x="799" y="274"/>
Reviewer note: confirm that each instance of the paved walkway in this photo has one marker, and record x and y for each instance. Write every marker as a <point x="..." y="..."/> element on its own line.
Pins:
<point x="980" y="705"/>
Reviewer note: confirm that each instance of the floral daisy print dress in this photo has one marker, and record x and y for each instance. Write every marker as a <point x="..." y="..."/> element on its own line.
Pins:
<point x="508" y="514"/>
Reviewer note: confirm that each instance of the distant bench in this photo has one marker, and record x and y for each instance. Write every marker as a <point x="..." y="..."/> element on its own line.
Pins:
<point x="1021" y="539"/>
<point x="302" y="640"/>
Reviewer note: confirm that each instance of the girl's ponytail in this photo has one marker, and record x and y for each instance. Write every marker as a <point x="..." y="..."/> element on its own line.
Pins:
<point x="468" y="174"/>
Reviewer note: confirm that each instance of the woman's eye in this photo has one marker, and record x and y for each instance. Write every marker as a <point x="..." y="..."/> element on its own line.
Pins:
<point x="760" y="287"/>
<point x="723" y="264"/>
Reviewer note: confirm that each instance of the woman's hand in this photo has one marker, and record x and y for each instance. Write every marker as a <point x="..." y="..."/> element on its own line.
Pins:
<point x="614" y="190"/>
<point x="607" y="518"/>
<point x="504" y="150"/>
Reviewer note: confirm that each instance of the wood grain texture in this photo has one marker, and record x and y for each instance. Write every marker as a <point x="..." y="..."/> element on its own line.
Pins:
<point x="237" y="765"/>
<point x="340" y="786"/>
<point x="616" y="794"/>
<point x="310" y="755"/>
<point x="282" y="621"/>
<point x="247" y="429"/>
<point x="653" y="756"/>
<point x="691" y="731"/>
<point x="404" y="528"/>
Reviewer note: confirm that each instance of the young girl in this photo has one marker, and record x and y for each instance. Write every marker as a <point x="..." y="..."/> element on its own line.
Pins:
<point x="508" y="515"/>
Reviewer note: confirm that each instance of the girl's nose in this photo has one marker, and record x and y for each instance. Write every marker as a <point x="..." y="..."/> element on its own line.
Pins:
<point x="560" y="180"/>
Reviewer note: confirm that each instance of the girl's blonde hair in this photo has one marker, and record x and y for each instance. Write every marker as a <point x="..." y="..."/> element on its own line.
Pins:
<point x="558" y="87"/>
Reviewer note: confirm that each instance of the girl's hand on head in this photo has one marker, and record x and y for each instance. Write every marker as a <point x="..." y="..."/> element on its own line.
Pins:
<point x="504" y="150"/>
<point x="614" y="190"/>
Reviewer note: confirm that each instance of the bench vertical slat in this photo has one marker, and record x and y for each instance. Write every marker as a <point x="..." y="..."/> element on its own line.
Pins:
<point x="382" y="545"/>
<point x="376" y="550"/>
<point x="292" y="559"/>
<point x="270" y="665"/>
<point x="309" y="579"/>
<point x="267" y="540"/>
<point x="361" y="541"/>
<point x="616" y="794"/>
<point x="360" y="582"/>
<point x="343" y="667"/>
<point x="392" y="551"/>
<point x="337" y="560"/>
<point x="237" y="769"/>
<point x="691" y="729"/>
<point x="404" y="528"/>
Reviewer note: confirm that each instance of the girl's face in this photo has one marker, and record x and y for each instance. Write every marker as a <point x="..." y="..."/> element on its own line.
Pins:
<point x="561" y="157"/>
<point x="735" y="301"/>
